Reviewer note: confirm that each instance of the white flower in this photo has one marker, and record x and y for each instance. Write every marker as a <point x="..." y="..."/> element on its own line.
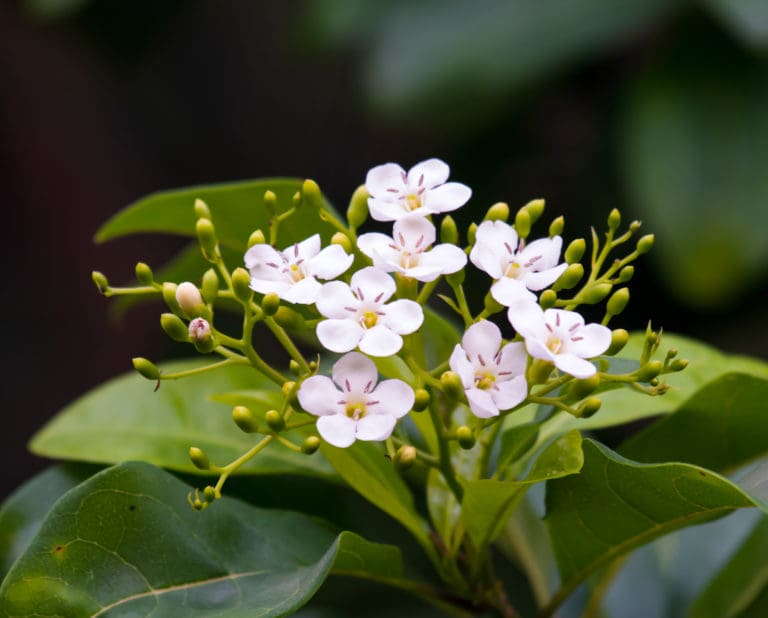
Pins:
<point x="517" y="267"/>
<point x="493" y="376"/>
<point x="561" y="337"/>
<point x="359" y="315"/>
<point x="292" y="273"/>
<point x="357" y="409"/>
<point x="422" y="191"/>
<point x="408" y="253"/>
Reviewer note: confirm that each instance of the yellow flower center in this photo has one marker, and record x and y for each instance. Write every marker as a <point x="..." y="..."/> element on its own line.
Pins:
<point x="355" y="410"/>
<point x="484" y="381"/>
<point x="295" y="272"/>
<point x="554" y="344"/>
<point x="413" y="201"/>
<point x="513" y="270"/>
<point x="369" y="319"/>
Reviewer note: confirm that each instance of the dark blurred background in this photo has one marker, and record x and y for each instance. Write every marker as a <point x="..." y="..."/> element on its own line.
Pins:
<point x="658" y="107"/>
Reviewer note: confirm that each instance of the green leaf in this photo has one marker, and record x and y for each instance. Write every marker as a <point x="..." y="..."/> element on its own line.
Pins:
<point x="23" y="512"/>
<point x="741" y="588"/>
<point x="125" y="543"/>
<point x="615" y="505"/>
<point x="439" y="335"/>
<point x="746" y="18"/>
<point x="237" y="209"/>
<point x="721" y="427"/>
<point x="126" y="419"/>
<point x="516" y="442"/>
<point x="488" y="504"/>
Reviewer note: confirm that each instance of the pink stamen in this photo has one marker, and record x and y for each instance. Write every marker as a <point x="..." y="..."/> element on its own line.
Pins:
<point x="509" y="249"/>
<point x="346" y="383"/>
<point x="378" y="298"/>
<point x="481" y="359"/>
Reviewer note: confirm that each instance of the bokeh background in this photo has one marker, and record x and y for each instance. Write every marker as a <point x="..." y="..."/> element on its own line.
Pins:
<point x="657" y="107"/>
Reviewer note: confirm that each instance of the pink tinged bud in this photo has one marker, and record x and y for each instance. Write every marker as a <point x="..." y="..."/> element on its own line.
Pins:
<point x="199" y="330"/>
<point x="189" y="298"/>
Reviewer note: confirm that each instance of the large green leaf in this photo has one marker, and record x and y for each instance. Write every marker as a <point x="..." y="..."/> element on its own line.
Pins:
<point x="126" y="419"/>
<point x="237" y="209"/>
<point x="721" y="427"/>
<point x="126" y="543"/>
<point x="488" y="504"/>
<point x="615" y="505"/>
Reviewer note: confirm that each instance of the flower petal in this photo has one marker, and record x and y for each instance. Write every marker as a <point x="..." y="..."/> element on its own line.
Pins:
<point x="413" y="232"/>
<point x="420" y="273"/>
<point x="375" y="427"/>
<point x="498" y="236"/>
<point x="303" y="292"/>
<point x="481" y="403"/>
<point x="487" y="258"/>
<point x="403" y="316"/>
<point x="306" y="249"/>
<point x="395" y="398"/>
<point x="337" y="430"/>
<point x="447" y="197"/>
<point x="596" y="339"/>
<point x="449" y="258"/>
<point x="545" y="252"/>
<point x="563" y="320"/>
<point x="507" y="395"/>
<point x="540" y="280"/>
<point x="329" y="263"/>
<point x="380" y="341"/>
<point x="429" y="174"/>
<point x="318" y="396"/>
<point x="375" y="243"/>
<point x="538" y="349"/>
<point x="527" y="318"/>
<point x="481" y="339"/>
<point x="509" y="292"/>
<point x="257" y="258"/>
<point x="372" y="283"/>
<point x="339" y="335"/>
<point x="381" y="210"/>
<point x="575" y="366"/>
<point x="513" y="359"/>
<point x="335" y="299"/>
<point x="382" y="178"/>
<point x="355" y="373"/>
<point x="461" y="365"/>
<point x="266" y="286"/>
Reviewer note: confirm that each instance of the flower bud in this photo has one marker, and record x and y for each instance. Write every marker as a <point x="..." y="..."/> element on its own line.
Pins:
<point x="471" y="233"/>
<point x="588" y="408"/>
<point x="274" y="420"/>
<point x="289" y="392"/>
<point x="650" y="370"/>
<point x="206" y="235"/>
<point x="209" y="494"/>
<point x="626" y="273"/>
<point x="539" y="371"/>
<point x="201" y="210"/>
<point x="645" y="244"/>
<point x="448" y="231"/>
<point x="678" y="364"/>
<point x="596" y="293"/>
<point x="523" y="223"/>
<point x="491" y="305"/>
<point x="210" y="285"/>
<point x="498" y="212"/>
<point x="169" y="296"/>
<point x="614" y="220"/>
<point x="257" y="238"/>
<point x="547" y="299"/>
<point x="452" y="385"/>
<point x="465" y="437"/>
<point x="270" y="304"/>
<point x="421" y="400"/>
<point x="578" y="389"/>
<point x="311" y="195"/>
<point x="241" y="281"/>
<point x="618" y="301"/>
<point x="405" y="457"/>
<point x="200" y="334"/>
<point x="270" y="201"/>
<point x="570" y="277"/>
<point x="199" y="458"/>
<point x="144" y="274"/>
<point x="619" y="338"/>
<point x="310" y="445"/>
<point x="634" y="226"/>
<point x="189" y="299"/>
<point x="101" y="281"/>
<point x="575" y="251"/>
<point x="357" y="211"/>
<point x="556" y="227"/>
<point x="197" y="504"/>
<point x="341" y="239"/>
<point x="288" y="318"/>
<point x="535" y="209"/>
<point x="245" y="419"/>
<point x="294" y="367"/>
<point x="174" y="327"/>
<point x="146" y="368"/>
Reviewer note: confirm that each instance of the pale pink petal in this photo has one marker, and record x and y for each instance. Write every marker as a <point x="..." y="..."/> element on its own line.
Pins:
<point x="413" y="231"/>
<point x="375" y="427"/>
<point x="337" y="430"/>
<point x="540" y="280"/>
<point x="380" y="341"/>
<point x="355" y="373"/>
<point x="429" y="174"/>
<point x="481" y="403"/>
<point x="420" y="273"/>
<point x="595" y="339"/>
<point x="447" y="197"/>
<point x="449" y="258"/>
<point x="267" y="286"/>
<point x="318" y="396"/>
<point x="527" y="318"/>
<point x="306" y="249"/>
<point x="538" y="349"/>
<point x="303" y="292"/>
<point x="386" y="211"/>
<point x="382" y="178"/>
<point x="394" y="398"/>
<point x="563" y="320"/>
<point x="513" y="359"/>
<point x="372" y="285"/>
<point x="329" y="263"/>
<point x="507" y="395"/>
<point x="511" y="292"/>
<point x="374" y="243"/>
<point x="403" y="316"/>
<point x="498" y="236"/>
<point x="339" y="335"/>
<point x="575" y="366"/>
<point x="259" y="256"/>
<point x="545" y="252"/>
<point x="487" y="258"/>
<point x="460" y="364"/>
<point x="481" y="340"/>
<point x="335" y="300"/>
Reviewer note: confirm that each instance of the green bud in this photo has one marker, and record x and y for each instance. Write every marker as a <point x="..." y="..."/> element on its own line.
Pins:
<point x="634" y="226"/>
<point x="547" y="299"/>
<point x="288" y="318"/>
<point x="498" y="212"/>
<point x="274" y="420"/>
<point x="491" y="305"/>
<point x="101" y="281"/>
<point x="405" y="457"/>
<point x="290" y="393"/>
<point x="210" y="285"/>
<point x="448" y="231"/>
<point x="206" y="235"/>
<point x="588" y="408"/>
<point x="619" y="338"/>
<point x="341" y="239"/>
<point x="270" y="304"/>
<point x="270" y="201"/>
<point x="596" y="293"/>
<point x="614" y="220"/>
<point x="199" y="458"/>
<point x="523" y="223"/>
<point x="649" y="371"/>
<point x="654" y="382"/>
<point x="579" y="389"/>
<point x="539" y="371"/>
<point x="146" y="368"/>
<point x="456" y="278"/>
<point x="144" y="274"/>
<point x="310" y="445"/>
<point x="189" y="299"/>
<point x="618" y="301"/>
<point x="311" y="194"/>
<point x="245" y="419"/>
<point x="645" y="244"/>
<point x="357" y="211"/>
<point x="626" y="273"/>
<point x="313" y="366"/>
<point x="465" y="437"/>
<point x="209" y="494"/>
<point x="471" y="233"/>
<point x="672" y="352"/>
<point x="452" y="385"/>
<point x="296" y="199"/>
<point x="294" y="367"/>
<point x="421" y="400"/>
<point x="575" y="251"/>
<point x="201" y="210"/>
<point x="535" y="209"/>
<point x="174" y="327"/>
<point x="678" y="364"/>
<point x="169" y="296"/>
<point x="241" y="282"/>
<point x="570" y="277"/>
<point x="556" y="227"/>
<point x="257" y="238"/>
<point x="198" y="504"/>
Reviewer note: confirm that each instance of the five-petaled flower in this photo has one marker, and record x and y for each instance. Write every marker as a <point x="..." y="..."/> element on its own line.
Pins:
<point x="422" y="191"/>
<point x="492" y="375"/>
<point x="358" y="409"/>
<point x="408" y="250"/>
<point x="360" y="315"/>
<point x="292" y="273"/>
<point x="560" y="337"/>
<point x="518" y="268"/>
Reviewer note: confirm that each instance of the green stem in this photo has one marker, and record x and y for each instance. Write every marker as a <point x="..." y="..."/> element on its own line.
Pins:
<point x="198" y="370"/>
<point x="285" y="340"/>
<point x="240" y="461"/>
<point x="444" y="455"/>
<point x="131" y="291"/>
<point x="461" y="299"/>
<point x="426" y="291"/>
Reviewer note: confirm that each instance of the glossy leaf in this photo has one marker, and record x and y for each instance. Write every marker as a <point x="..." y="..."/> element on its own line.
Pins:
<point x="615" y="505"/>
<point x="488" y="504"/>
<point x="516" y="442"/>
<point x="721" y="427"/>
<point x="125" y="419"/>
<point x="126" y="543"/>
